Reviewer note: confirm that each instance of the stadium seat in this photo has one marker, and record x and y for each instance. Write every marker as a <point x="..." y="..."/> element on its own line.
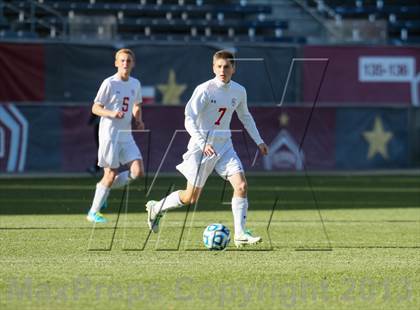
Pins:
<point x="402" y="16"/>
<point x="213" y="19"/>
<point x="18" y="34"/>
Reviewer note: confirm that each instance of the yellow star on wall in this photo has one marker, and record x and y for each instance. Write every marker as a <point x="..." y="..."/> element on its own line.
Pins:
<point x="378" y="139"/>
<point x="171" y="92"/>
<point x="284" y="119"/>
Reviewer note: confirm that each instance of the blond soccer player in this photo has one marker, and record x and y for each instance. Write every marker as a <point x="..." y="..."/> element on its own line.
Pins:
<point x="208" y="114"/>
<point x="117" y="103"/>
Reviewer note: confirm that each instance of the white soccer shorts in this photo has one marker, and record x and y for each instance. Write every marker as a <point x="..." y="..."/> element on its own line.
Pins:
<point x="113" y="154"/>
<point x="197" y="167"/>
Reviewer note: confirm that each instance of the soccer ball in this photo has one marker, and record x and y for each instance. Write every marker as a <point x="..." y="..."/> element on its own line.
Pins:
<point x="216" y="236"/>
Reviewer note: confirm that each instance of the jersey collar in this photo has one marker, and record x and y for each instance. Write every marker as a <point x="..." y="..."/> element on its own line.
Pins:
<point x="118" y="78"/>
<point x="220" y="84"/>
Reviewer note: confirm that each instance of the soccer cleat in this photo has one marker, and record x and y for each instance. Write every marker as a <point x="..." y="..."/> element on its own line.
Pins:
<point x="153" y="217"/>
<point x="246" y="239"/>
<point x="96" y="217"/>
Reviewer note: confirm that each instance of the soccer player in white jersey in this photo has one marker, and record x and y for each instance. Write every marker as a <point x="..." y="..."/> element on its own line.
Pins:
<point x="207" y="119"/>
<point x="117" y="103"/>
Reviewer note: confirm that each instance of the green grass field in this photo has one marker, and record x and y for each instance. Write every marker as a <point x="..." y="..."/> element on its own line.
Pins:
<point x="366" y="256"/>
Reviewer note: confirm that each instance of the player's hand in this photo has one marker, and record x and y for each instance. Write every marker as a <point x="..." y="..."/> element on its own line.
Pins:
<point x="139" y="124"/>
<point x="263" y="148"/>
<point x="209" y="150"/>
<point x="117" y="114"/>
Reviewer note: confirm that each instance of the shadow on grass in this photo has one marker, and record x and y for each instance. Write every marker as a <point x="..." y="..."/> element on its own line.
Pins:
<point x="73" y="196"/>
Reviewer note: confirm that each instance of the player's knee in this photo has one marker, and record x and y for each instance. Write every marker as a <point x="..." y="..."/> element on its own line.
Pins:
<point x="109" y="178"/>
<point x="136" y="170"/>
<point x="186" y="199"/>
<point x="193" y="199"/>
<point x="241" y="188"/>
<point x="136" y="173"/>
<point x="189" y="198"/>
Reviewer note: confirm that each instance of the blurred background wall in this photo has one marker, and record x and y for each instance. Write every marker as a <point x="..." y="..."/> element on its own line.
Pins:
<point x="332" y="86"/>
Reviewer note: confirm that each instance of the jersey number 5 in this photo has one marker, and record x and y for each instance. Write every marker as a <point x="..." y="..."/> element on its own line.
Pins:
<point x="222" y="112"/>
<point x="125" y="104"/>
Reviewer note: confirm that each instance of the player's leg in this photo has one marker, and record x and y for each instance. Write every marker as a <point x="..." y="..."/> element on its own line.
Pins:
<point x="190" y="195"/>
<point x="129" y="155"/>
<point x="174" y="200"/>
<point x="230" y="165"/>
<point x="135" y="170"/>
<point x="101" y="195"/>
<point x="239" y="202"/>
<point x="240" y="210"/>
<point x="196" y="169"/>
<point x="108" y="158"/>
<point x="178" y="198"/>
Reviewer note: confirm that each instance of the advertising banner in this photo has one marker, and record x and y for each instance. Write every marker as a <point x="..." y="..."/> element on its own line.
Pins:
<point x="22" y="72"/>
<point x="363" y="75"/>
<point x="372" y="138"/>
<point x="62" y="139"/>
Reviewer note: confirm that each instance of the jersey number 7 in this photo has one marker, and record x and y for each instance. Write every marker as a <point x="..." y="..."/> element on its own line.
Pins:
<point x="222" y="112"/>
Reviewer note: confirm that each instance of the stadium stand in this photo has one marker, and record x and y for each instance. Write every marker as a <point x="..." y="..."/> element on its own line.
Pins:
<point x="289" y="21"/>
<point x="401" y="17"/>
<point x="186" y="20"/>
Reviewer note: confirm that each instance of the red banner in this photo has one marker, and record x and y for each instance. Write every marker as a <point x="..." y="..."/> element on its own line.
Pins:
<point x="294" y="144"/>
<point x="22" y="70"/>
<point x="362" y="75"/>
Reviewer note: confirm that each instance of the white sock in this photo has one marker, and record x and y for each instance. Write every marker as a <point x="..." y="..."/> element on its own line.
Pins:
<point x="121" y="179"/>
<point x="171" y="201"/>
<point x="101" y="194"/>
<point x="239" y="210"/>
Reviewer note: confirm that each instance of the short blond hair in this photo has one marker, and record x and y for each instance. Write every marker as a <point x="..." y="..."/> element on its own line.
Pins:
<point x="125" y="51"/>
<point x="224" y="54"/>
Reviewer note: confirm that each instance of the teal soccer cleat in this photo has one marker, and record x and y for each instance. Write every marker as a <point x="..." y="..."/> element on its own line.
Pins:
<point x="96" y="217"/>
<point x="246" y="239"/>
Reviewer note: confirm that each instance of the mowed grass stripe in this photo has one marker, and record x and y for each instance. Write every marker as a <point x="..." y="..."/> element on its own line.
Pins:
<point x="174" y="224"/>
<point x="372" y="189"/>
<point x="374" y="263"/>
<point x="366" y="203"/>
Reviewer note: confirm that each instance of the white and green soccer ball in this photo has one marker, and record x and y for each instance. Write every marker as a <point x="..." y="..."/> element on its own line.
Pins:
<point x="216" y="237"/>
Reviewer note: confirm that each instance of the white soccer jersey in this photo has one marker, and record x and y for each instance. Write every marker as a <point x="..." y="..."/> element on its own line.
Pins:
<point x="118" y="95"/>
<point x="210" y="110"/>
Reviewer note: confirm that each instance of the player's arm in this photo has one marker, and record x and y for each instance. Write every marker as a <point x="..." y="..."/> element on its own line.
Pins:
<point x="103" y="96"/>
<point x="138" y="116"/>
<point x="248" y="121"/>
<point x="193" y="109"/>
<point x="100" y="110"/>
